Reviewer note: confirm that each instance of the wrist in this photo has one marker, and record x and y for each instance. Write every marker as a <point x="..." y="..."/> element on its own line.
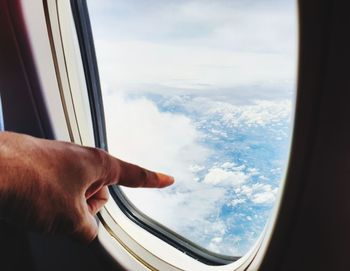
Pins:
<point x="11" y="175"/>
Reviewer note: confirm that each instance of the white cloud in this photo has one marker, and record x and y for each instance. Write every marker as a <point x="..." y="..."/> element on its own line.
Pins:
<point x="263" y="194"/>
<point x="138" y="132"/>
<point x="257" y="113"/>
<point x="219" y="176"/>
<point x="226" y="24"/>
<point x="257" y="193"/>
<point x="184" y="211"/>
<point x="128" y="63"/>
<point x="196" y="168"/>
<point x="228" y="165"/>
<point x="264" y="197"/>
<point x="235" y="202"/>
<point x="265" y="112"/>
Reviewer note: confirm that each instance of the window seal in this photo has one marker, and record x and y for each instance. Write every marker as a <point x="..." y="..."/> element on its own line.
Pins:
<point x="88" y="55"/>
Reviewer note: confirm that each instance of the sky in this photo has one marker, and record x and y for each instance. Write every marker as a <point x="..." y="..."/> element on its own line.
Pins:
<point x="203" y="91"/>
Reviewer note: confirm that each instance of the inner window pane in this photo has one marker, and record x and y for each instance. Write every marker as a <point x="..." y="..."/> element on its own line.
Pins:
<point x="204" y="91"/>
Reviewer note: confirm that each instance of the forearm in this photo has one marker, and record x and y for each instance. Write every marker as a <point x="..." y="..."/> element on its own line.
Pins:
<point x="4" y="168"/>
<point x="15" y="179"/>
<point x="6" y="178"/>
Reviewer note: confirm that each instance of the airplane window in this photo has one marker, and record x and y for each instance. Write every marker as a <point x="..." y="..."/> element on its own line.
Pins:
<point x="204" y="91"/>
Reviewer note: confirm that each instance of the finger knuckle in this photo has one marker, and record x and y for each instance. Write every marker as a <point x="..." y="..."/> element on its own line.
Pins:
<point x="144" y="176"/>
<point x="101" y="160"/>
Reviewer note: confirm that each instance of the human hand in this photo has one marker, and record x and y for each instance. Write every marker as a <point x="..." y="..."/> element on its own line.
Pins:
<point x="57" y="187"/>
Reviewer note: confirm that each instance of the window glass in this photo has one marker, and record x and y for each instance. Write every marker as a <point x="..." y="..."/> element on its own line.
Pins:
<point x="204" y="91"/>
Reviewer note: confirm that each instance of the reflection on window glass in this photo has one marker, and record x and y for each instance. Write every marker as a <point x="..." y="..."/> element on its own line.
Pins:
<point x="201" y="90"/>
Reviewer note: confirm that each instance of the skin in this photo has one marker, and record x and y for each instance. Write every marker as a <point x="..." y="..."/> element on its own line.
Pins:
<point x="58" y="187"/>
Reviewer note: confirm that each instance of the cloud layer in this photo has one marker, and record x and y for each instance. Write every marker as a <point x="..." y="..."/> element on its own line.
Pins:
<point x="201" y="90"/>
<point x="209" y="185"/>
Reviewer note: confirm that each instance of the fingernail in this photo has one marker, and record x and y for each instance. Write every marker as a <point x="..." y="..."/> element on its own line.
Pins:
<point x="166" y="180"/>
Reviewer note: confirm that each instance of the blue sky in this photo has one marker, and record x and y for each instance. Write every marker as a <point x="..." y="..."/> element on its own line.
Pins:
<point x="204" y="91"/>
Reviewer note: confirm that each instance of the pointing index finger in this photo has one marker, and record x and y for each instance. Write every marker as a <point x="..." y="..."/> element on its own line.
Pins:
<point x="131" y="175"/>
